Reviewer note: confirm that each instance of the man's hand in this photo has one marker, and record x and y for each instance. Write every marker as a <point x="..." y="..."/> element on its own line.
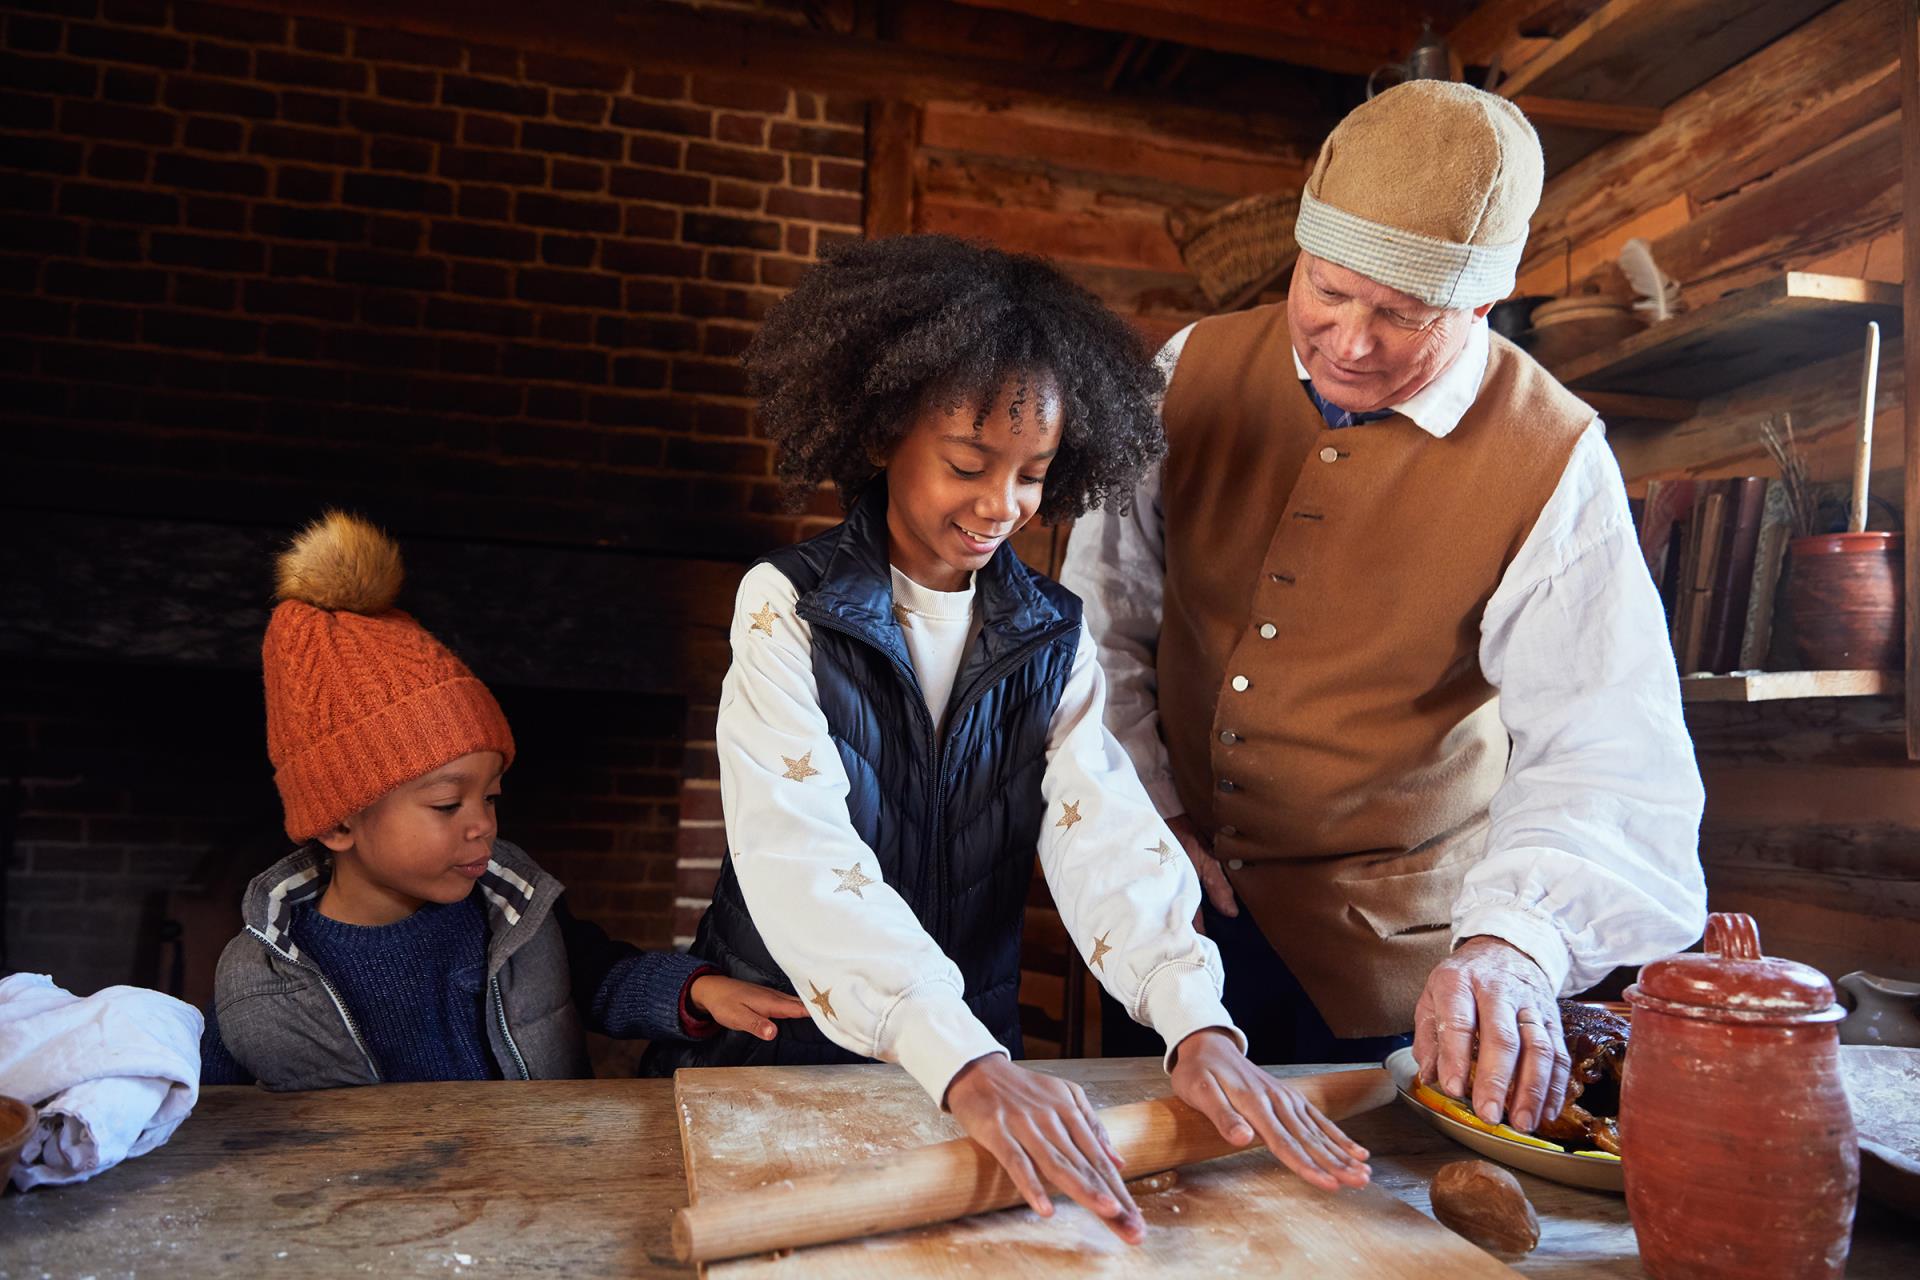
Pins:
<point x="1495" y="990"/>
<point x="1213" y="878"/>
<point x="1212" y="1076"/>
<point x="1038" y="1126"/>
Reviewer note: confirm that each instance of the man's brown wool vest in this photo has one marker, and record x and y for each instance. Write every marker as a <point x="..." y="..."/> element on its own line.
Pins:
<point x="1320" y="687"/>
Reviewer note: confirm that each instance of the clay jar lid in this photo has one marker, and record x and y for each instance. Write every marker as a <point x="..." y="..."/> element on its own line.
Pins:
<point x="1732" y="981"/>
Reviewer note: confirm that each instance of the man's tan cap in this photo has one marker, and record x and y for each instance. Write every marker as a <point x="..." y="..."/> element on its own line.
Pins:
<point x="1427" y="189"/>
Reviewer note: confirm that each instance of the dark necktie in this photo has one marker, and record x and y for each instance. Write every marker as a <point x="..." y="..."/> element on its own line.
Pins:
<point x="1337" y="417"/>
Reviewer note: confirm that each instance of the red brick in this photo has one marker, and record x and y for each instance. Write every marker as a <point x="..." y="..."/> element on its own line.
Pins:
<point x="216" y="213"/>
<point x="474" y="240"/>
<point x="800" y="171"/>
<point x="493" y="60"/>
<point x="740" y="196"/>
<point x="575" y="73"/>
<point x="594" y="144"/>
<point x="138" y="88"/>
<point x="783" y="273"/>
<point x="400" y="234"/>
<point x="385" y="191"/>
<point x="661" y="185"/>
<point x="652" y="333"/>
<point x="647" y="295"/>
<point x="737" y="268"/>
<point x="317" y="146"/>
<point x="575" y="175"/>
<point x="653" y="117"/>
<point x="669" y="88"/>
<point x="836" y="175"/>
<point x="726" y="341"/>
<point x="812" y="140"/>
<point x="487" y="131"/>
<point x="214" y="253"/>
<point x="800" y="240"/>
<point x="26" y="111"/>
<point x="725" y="378"/>
<point x="715" y="229"/>
<point x="318" y="36"/>
<point x="647" y="373"/>
<point x="661" y="153"/>
<point x="742" y="95"/>
<point x="236" y="177"/>
<point x="401" y="154"/>
<point x="581" y="108"/>
<point x="203" y="134"/>
<point x="103" y="324"/>
<point x="728" y="162"/>
<point x="747" y="130"/>
<point x="470" y="317"/>
<point x="286" y="297"/>
<point x="405" y="84"/>
<point x="115" y="244"/>
<point x="368" y="266"/>
<point x="851" y="112"/>
<point x="314" y="73"/>
<point x="494" y="204"/>
<point x="433" y="123"/>
<point x="36" y="35"/>
<point x="565" y="213"/>
<point x="493" y="95"/>
<point x="714" y="301"/>
<point x="113" y="204"/>
<point x="647" y="258"/>
<point x="845" y="210"/>
<point x="48" y="75"/>
<point x="568" y="251"/>
<point x="220" y="97"/>
<point x="117" y="44"/>
<point x="569" y="328"/>
<point x="380" y="45"/>
<point x="47" y="155"/>
<point x="473" y="163"/>
<point x="214" y="59"/>
<point x="105" y="120"/>
<point x="310" y="108"/>
<point x="246" y="25"/>
<point x="567" y="288"/>
<point x="197" y="332"/>
<point x="299" y="222"/>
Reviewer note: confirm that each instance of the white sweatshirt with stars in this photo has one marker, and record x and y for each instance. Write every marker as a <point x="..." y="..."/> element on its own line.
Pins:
<point x="875" y="982"/>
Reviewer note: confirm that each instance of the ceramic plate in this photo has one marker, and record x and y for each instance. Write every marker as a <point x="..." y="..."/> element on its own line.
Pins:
<point x="1883" y="1088"/>
<point x="1575" y="1171"/>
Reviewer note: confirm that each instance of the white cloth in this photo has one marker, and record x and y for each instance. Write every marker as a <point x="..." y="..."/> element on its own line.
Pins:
<point x="815" y="891"/>
<point x="113" y="1074"/>
<point x="1592" y="858"/>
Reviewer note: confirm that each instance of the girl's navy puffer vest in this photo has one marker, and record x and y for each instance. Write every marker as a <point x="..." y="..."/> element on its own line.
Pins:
<point x="954" y="819"/>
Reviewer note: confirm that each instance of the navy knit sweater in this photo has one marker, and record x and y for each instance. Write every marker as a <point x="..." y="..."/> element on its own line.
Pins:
<point x="417" y="990"/>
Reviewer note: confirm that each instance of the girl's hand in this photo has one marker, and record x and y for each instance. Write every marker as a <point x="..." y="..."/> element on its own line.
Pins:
<point x="741" y="1006"/>
<point x="1039" y="1127"/>
<point x="1212" y="1076"/>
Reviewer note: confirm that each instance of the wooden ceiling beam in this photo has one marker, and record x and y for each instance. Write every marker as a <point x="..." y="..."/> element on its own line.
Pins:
<point x="669" y="37"/>
<point x="1296" y="31"/>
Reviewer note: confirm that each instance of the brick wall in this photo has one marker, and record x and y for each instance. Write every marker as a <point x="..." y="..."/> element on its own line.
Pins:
<point x="125" y="784"/>
<point x="252" y="264"/>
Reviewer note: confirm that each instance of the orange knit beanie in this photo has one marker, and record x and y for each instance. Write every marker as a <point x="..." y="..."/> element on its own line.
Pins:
<point x="360" y="697"/>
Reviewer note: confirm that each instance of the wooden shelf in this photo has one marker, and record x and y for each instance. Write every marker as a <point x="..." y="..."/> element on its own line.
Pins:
<point x="1796" y="319"/>
<point x="1644" y="53"/>
<point x="1772" y="686"/>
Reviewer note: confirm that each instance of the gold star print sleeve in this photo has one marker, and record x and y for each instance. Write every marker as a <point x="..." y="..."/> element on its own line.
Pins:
<point x="873" y="980"/>
<point x="1126" y="891"/>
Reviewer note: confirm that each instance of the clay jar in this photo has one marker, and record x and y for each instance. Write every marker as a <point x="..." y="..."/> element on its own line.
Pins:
<point x="1740" y="1154"/>
<point x="1846" y="599"/>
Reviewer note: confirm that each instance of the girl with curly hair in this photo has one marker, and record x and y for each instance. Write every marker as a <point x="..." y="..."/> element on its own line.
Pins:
<point x="912" y="715"/>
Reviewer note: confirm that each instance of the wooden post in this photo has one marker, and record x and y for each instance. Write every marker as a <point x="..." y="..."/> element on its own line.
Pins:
<point x="1910" y="342"/>
<point x="893" y="130"/>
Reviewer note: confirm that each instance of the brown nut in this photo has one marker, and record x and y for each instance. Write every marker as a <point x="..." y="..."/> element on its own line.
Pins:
<point x="1484" y="1203"/>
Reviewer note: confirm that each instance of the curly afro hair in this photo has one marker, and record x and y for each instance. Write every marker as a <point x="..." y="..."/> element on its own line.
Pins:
<point x="845" y="362"/>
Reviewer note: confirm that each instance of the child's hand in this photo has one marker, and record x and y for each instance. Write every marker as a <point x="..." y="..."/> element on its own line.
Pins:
<point x="1039" y="1127"/>
<point x="741" y="1006"/>
<point x="1212" y="1076"/>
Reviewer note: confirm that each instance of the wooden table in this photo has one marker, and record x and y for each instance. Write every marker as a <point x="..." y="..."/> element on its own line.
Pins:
<point x="562" y="1178"/>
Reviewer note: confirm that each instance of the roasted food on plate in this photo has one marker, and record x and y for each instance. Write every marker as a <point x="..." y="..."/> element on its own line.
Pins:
<point x="1589" y="1123"/>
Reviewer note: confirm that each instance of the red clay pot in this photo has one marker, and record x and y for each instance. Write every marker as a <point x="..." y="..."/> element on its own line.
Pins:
<point x="1846" y="598"/>
<point x="1740" y="1154"/>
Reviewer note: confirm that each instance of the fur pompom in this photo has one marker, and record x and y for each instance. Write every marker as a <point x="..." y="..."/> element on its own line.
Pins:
<point x="341" y="562"/>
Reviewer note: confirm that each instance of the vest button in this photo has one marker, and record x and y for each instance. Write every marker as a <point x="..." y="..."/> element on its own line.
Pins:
<point x="1268" y="631"/>
<point x="1329" y="454"/>
<point x="1240" y="684"/>
<point x="1227" y="785"/>
<point x="1229" y="832"/>
<point x="1234" y="864"/>
<point x="1229" y="737"/>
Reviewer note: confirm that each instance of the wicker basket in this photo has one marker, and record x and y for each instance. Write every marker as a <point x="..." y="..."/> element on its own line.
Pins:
<point x="1238" y="247"/>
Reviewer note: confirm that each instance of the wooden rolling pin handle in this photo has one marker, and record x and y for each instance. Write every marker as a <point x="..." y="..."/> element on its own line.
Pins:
<point x="949" y="1180"/>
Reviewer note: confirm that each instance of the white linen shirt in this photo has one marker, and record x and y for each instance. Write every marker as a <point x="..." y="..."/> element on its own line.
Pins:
<point x="1592" y="857"/>
<point x="876" y="983"/>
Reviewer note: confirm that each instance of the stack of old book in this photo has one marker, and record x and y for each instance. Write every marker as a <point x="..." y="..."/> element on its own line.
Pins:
<point x="1715" y="548"/>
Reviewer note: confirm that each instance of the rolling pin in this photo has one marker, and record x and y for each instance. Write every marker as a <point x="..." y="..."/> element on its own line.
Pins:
<point x="950" y="1180"/>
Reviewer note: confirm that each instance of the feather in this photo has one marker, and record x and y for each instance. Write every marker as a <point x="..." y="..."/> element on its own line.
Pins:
<point x="1658" y="292"/>
<point x="341" y="562"/>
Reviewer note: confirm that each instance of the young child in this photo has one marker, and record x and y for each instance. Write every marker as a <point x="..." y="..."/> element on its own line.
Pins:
<point x="403" y="940"/>
<point x="911" y="713"/>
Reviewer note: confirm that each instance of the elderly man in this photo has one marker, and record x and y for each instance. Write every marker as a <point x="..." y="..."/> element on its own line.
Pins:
<point x="1381" y="641"/>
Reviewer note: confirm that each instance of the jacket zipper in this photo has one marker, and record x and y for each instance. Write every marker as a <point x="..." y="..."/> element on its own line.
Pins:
<point x="500" y="1013"/>
<point x="332" y="993"/>
<point x="937" y="754"/>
